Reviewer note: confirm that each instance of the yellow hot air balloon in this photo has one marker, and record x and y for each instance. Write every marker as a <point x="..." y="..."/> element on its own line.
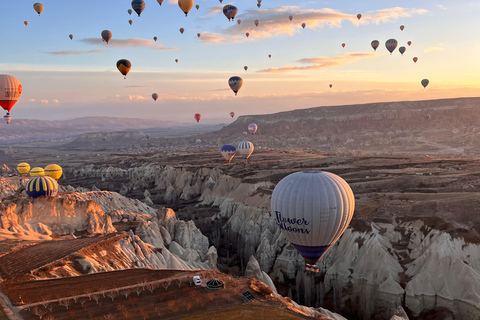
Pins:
<point x="23" y="168"/>
<point x="38" y="7"/>
<point x="54" y="171"/>
<point x="185" y="5"/>
<point x="37" y="172"/>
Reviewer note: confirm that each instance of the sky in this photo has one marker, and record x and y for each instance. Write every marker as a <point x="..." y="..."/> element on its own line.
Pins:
<point x="66" y="79"/>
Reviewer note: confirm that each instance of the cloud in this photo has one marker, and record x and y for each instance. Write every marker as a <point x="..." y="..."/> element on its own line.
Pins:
<point x="55" y="101"/>
<point x="32" y="100"/>
<point x="323" y="62"/>
<point x="136" y="97"/>
<point x="442" y="7"/>
<point x="125" y="43"/>
<point x="44" y="101"/>
<point x="70" y="52"/>
<point x="433" y="49"/>
<point x="208" y="37"/>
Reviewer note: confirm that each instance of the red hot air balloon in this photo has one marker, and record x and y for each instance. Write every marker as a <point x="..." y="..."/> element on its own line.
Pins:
<point x="25" y="23"/>
<point x="198" y="35"/>
<point x="176" y="60"/>
<point x="232" y="114"/>
<point x="343" y="45"/>
<point x="198" y="116"/>
<point x="409" y="43"/>
<point x="247" y="34"/>
<point x="359" y="16"/>
<point x="239" y="21"/>
<point x="10" y="91"/>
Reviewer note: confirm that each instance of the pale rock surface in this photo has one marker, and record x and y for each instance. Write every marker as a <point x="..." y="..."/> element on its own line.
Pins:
<point x="400" y="314"/>
<point x="253" y="270"/>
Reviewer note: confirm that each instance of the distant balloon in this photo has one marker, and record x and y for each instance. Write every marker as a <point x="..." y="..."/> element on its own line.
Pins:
<point x="304" y="25"/>
<point x="41" y="187"/>
<point x="232" y="114"/>
<point x="375" y="44"/>
<point x="160" y="2"/>
<point x="343" y="45"/>
<point x="239" y="21"/>
<point x="245" y="148"/>
<point x="415" y="59"/>
<point x="54" y="171"/>
<point x="402" y="27"/>
<point x="25" y="23"/>
<point x="37" y="172"/>
<point x="197" y="6"/>
<point x="252" y="128"/>
<point x="245" y="133"/>
<point x="130" y="11"/>
<point x="130" y="22"/>
<point x="155" y="39"/>
<point x="198" y="35"/>
<point x="10" y="91"/>
<point x="235" y="83"/>
<point x="70" y="36"/>
<point x="230" y="12"/>
<point x="290" y="18"/>
<point x="220" y="1"/>
<point x="402" y="49"/>
<point x="176" y="60"/>
<point x="269" y="55"/>
<point x="138" y="6"/>
<point x="186" y="5"/>
<point x="256" y="22"/>
<point x="259" y="4"/>
<point x="198" y="141"/>
<point x="107" y="35"/>
<point x="246" y="68"/>
<point x="7" y="118"/>
<point x="228" y="152"/>
<point x="409" y="43"/>
<point x="247" y="34"/>
<point x="391" y="44"/>
<point x="427" y="117"/>
<point x="123" y="65"/>
<point x="155" y="96"/>
<point x="359" y="16"/>
<point x="38" y="7"/>
<point x="182" y="30"/>
<point x="312" y="209"/>
<point x="23" y="168"/>
<point x="197" y="116"/>
<point x="425" y="83"/>
<point x="330" y="85"/>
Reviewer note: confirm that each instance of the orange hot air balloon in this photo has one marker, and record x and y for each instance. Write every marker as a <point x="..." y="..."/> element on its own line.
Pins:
<point x="359" y="16"/>
<point x="402" y="27"/>
<point x="10" y="91"/>
<point x="25" y="23"/>
<point x="409" y="43"/>
<point x="247" y="34"/>
<point x="198" y="116"/>
<point x="343" y="45"/>
<point x="415" y="59"/>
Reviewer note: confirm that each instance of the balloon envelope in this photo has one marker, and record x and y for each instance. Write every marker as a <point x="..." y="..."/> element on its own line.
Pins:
<point x="228" y="152"/>
<point x="197" y="116"/>
<point x="402" y="27"/>
<point x="256" y="22"/>
<point x="330" y="85"/>
<point x="138" y="6"/>
<point x="37" y="172"/>
<point x="10" y="91"/>
<point x="415" y="59"/>
<point x="185" y="5"/>
<point x="197" y="6"/>
<point x="41" y="187"/>
<point x="402" y="50"/>
<point x="124" y="66"/>
<point x="160" y="2"/>
<point x="54" y="171"/>
<point x="375" y="44"/>
<point x="252" y="128"/>
<point x="359" y="16"/>
<point x="245" y="148"/>
<point x="343" y="45"/>
<point x="38" y="7"/>
<point x="425" y="83"/>
<point x="232" y="114"/>
<point x="107" y="35"/>
<point x="25" y="23"/>
<point x="235" y="83"/>
<point x="239" y="21"/>
<point x="304" y="25"/>
<point x="154" y="96"/>
<point x="246" y="68"/>
<point x="391" y="44"/>
<point x="129" y="11"/>
<point x="290" y="18"/>
<point x="130" y="22"/>
<point x="155" y="39"/>
<point x="312" y="209"/>
<point x="23" y="168"/>
<point x="409" y="43"/>
<point x="182" y="30"/>
<point x="230" y="11"/>
<point x="70" y="36"/>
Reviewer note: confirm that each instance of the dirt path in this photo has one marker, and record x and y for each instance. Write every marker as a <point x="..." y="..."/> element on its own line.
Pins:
<point x="8" y="308"/>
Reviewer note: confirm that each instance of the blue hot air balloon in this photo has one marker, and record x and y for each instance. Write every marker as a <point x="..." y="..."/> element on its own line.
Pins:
<point x="312" y="209"/>
<point x="7" y="118"/>
<point x="252" y="128"/>
<point x="138" y="6"/>
<point x="230" y="11"/>
<point x="42" y="186"/>
<point x="228" y="152"/>
<point x="245" y="148"/>
<point x="235" y="83"/>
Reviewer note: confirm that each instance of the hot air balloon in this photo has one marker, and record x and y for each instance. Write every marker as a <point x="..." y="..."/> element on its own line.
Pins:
<point x="228" y="152"/>
<point x="10" y="92"/>
<point x="186" y="5"/>
<point x="37" y="172"/>
<point x="402" y="27"/>
<point x="427" y="117"/>
<point x="220" y="1"/>
<point x="246" y="68"/>
<point x="245" y="148"/>
<point x="425" y="83"/>
<point x="25" y="23"/>
<point x="7" y="118"/>
<point x="230" y="11"/>
<point x="247" y="34"/>
<point x="235" y="83"/>
<point x="252" y="128"/>
<point x="38" y="7"/>
<point x="330" y="85"/>
<point x="23" y="168"/>
<point x="53" y="171"/>
<point x="343" y="45"/>
<point x="107" y="35"/>
<point x="182" y="30"/>
<point x="245" y="133"/>
<point x="155" y="39"/>
<point x="290" y="18"/>
<point x="239" y="21"/>
<point x="123" y="65"/>
<point x="129" y="11"/>
<point x="415" y="59"/>
<point x="198" y="141"/>
<point x="256" y="22"/>
<point x="197" y="6"/>
<point x="41" y="187"/>
<point x="197" y="116"/>
<point x="409" y="43"/>
<point x="176" y="60"/>
<point x="198" y="35"/>
<point x="160" y="2"/>
<point x="304" y="25"/>
<point x="375" y="44"/>
<point x="232" y="114"/>
<point x="402" y="50"/>
<point x="391" y="44"/>
<point x="269" y="55"/>
<point x="259" y="5"/>
<point x="155" y="96"/>
<point x="138" y="6"/>
<point x="70" y="36"/>
<point x="312" y="209"/>
<point x="359" y="16"/>
<point x="130" y="22"/>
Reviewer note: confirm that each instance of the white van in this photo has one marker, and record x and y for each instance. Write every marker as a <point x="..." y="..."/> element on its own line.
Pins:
<point x="197" y="281"/>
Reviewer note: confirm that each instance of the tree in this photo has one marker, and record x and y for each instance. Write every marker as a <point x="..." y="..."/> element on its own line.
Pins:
<point x="109" y="316"/>
<point x="179" y="282"/>
<point x="95" y="297"/>
<point x="121" y="307"/>
<point x="139" y="290"/>
<point x="125" y="292"/>
<point x="65" y="303"/>
<point x="151" y="286"/>
<point x="166" y="284"/>
<point x="112" y="294"/>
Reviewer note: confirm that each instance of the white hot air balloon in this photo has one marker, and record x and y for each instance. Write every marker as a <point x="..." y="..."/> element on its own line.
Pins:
<point x="245" y="148"/>
<point x="228" y="152"/>
<point x="312" y="209"/>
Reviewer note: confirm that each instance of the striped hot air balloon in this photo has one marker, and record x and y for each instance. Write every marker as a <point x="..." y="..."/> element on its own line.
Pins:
<point x="245" y="148"/>
<point x="54" y="171"/>
<point x="41" y="187"/>
<point x="23" y="168"/>
<point x="391" y="45"/>
<point x="37" y="172"/>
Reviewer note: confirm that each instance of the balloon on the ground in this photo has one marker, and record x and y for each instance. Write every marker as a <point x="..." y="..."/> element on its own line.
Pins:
<point x="425" y="83"/>
<point x="107" y="35"/>
<point x="41" y="187"/>
<point x="38" y="7"/>
<point x="197" y="116"/>
<point x="10" y="91"/>
<point x="185" y="5"/>
<point x="375" y="44"/>
<point x="198" y="141"/>
<point x="235" y="83"/>
<point x="312" y="209"/>
<point x="228" y="152"/>
<point x="54" y="171"/>
<point x="155" y="96"/>
<point x="245" y="148"/>
<point x="391" y="44"/>
<point x="252" y="128"/>
<point x="124" y="66"/>
<point x="23" y="168"/>
<point x="37" y="172"/>
<point x="138" y="6"/>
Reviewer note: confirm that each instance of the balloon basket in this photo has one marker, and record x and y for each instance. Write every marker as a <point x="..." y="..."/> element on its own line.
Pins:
<point x="312" y="268"/>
